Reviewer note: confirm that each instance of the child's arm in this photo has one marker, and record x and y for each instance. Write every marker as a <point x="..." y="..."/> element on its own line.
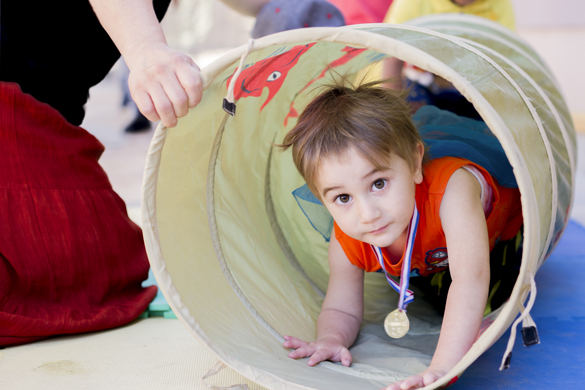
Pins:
<point x="341" y="314"/>
<point x="463" y="221"/>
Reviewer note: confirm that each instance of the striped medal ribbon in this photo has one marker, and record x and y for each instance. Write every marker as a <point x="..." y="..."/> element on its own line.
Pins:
<point x="396" y="323"/>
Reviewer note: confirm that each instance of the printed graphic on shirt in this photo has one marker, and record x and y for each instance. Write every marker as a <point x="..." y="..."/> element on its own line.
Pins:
<point x="437" y="259"/>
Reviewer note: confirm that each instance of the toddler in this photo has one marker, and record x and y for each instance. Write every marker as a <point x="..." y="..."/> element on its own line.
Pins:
<point x="398" y="211"/>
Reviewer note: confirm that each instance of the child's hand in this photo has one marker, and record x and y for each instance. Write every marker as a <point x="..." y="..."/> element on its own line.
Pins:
<point x="323" y="349"/>
<point x="423" y="379"/>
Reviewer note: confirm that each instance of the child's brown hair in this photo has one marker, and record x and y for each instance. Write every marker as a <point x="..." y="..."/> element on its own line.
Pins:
<point x="374" y="120"/>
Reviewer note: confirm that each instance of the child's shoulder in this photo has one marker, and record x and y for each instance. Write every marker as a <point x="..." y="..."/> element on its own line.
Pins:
<point x="438" y="171"/>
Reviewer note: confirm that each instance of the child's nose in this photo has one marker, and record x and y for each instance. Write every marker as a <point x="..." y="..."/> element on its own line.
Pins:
<point x="369" y="212"/>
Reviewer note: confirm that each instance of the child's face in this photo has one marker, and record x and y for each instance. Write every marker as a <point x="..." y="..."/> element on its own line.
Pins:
<point x="369" y="205"/>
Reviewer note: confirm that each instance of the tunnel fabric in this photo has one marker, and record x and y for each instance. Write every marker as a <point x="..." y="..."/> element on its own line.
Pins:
<point x="237" y="259"/>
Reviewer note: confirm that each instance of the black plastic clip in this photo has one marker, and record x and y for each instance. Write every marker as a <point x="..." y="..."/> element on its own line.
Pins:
<point x="506" y="364"/>
<point x="530" y="336"/>
<point x="228" y="107"/>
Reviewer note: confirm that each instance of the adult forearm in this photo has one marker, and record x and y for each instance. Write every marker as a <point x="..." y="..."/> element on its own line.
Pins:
<point x="131" y="24"/>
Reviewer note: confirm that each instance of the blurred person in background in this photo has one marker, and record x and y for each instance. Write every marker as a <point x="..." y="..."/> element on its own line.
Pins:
<point x="362" y="11"/>
<point x="426" y="88"/>
<point x="274" y="16"/>
<point x="500" y="11"/>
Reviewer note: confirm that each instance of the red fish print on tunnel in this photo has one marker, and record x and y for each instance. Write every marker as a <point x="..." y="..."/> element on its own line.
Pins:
<point x="269" y="73"/>
<point x="350" y="53"/>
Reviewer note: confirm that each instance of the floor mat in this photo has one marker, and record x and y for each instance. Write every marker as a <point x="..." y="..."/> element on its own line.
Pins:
<point x="159" y="306"/>
<point x="559" y="313"/>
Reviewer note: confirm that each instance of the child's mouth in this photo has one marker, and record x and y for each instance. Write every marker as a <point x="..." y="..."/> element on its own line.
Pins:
<point x="380" y="230"/>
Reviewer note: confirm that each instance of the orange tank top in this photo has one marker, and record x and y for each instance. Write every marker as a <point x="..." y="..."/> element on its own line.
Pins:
<point x="430" y="246"/>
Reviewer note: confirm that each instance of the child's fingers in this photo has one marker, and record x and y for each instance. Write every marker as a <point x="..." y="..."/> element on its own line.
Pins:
<point x="345" y="357"/>
<point x="319" y="356"/>
<point x="394" y="386"/>
<point x="293" y="342"/>
<point x="289" y="338"/>
<point x="412" y="382"/>
<point x="415" y="381"/>
<point x="302" y="352"/>
<point x="430" y="377"/>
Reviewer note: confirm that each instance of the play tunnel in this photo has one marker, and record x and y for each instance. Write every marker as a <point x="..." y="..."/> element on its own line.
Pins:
<point x="236" y="257"/>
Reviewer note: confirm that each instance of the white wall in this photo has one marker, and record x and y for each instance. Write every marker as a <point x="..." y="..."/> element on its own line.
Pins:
<point x="556" y="29"/>
<point x="550" y="13"/>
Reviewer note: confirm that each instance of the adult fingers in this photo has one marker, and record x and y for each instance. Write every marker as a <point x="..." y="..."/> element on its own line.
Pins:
<point x="190" y="78"/>
<point x="145" y="105"/>
<point x="154" y="103"/>
<point x="163" y="105"/>
<point x="176" y="95"/>
<point x="163" y="98"/>
<point x="183" y="90"/>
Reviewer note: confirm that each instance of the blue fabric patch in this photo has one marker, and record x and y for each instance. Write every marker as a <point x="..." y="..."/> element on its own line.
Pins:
<point x="447" y="134"/>
<point x="316" y="213"/>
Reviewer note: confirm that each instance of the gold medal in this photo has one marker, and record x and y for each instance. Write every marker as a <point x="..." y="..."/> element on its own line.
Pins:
<point x="396" y="324"/>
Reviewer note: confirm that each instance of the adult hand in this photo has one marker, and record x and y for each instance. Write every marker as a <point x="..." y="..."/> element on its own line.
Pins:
<point x="320" y="350"/>
<point x="164" y="82"/>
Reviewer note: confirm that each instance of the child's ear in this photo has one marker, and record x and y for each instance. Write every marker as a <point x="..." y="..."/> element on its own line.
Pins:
<point x="418" y="172"/>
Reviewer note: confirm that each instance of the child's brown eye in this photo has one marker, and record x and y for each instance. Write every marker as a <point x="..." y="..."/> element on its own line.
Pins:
<point x="343" y="198"/>
<point x="379" y="184"/>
